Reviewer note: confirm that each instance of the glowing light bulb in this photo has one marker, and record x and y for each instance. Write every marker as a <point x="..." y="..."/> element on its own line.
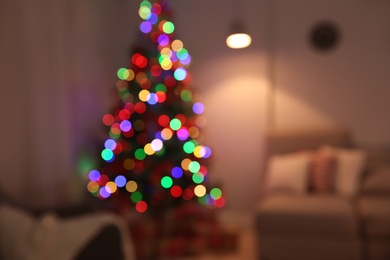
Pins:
<point x="238" y="40"/>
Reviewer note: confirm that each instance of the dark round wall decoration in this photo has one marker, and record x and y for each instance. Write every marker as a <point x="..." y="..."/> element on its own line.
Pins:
<point x="324" y="36"/>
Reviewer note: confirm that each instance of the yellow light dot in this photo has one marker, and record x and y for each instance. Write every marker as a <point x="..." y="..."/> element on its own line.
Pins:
<point x="166" y="51"/>
<point x="199" y="151"/>
<point x="128" y="164"/>
<point x="140" y="76"/>
<point x="115" y="130"/>
<point x="130" y="75"/>
<point x="194" y="132"/>
<point x="148" y="149"/>
<point x="131" y="186"/>
<point x="143" y="95"/>
<point x="200" y="190"/>
<point x="111" y="187"/>
<point x="166" y="64"/>
<point x="185" y="164"/>
<point x="93" y="187"/>
<point x="166" y="133"/>
<point x="177" y="45"/>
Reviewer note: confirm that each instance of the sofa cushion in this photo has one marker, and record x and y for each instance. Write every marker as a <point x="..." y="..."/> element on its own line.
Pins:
<point x="377" y="182"/>
<point x="306" y="215"/>
<point x="287" y="173"/>
<point x="349" y="170"/>
<point x="375" y="215"/>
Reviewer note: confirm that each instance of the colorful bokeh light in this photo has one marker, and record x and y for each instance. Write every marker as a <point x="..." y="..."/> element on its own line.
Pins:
<point x="153" y="150"/>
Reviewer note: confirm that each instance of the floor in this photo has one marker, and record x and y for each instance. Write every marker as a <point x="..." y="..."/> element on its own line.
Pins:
<point x="243" y="224"/>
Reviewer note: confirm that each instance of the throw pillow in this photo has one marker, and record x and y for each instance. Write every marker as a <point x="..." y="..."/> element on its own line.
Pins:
<point x="350" y="166"/>
<point x="322" y="171"/>
<point x="288" y="173"/>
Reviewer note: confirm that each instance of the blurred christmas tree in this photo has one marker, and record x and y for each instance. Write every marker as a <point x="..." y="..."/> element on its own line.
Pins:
<point x="153" y="156"/>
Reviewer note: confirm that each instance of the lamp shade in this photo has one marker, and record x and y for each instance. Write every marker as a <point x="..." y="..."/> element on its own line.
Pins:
<point x="238" y="38"/>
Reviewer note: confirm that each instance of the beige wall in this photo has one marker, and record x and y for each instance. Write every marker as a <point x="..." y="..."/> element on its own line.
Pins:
<point x="346" y="87"/>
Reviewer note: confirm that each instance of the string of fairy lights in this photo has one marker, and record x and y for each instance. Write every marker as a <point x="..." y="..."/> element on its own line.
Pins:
<point x="144" y="90"/>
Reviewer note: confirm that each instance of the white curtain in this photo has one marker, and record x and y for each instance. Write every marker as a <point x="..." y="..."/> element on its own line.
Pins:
<point x="57" y="68"/>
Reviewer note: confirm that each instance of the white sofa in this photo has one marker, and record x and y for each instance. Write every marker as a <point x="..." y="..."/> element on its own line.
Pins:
<point x="349" y="221"/>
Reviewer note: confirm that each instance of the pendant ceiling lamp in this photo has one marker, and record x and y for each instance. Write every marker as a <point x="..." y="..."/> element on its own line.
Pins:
<point x="238" y="37"/>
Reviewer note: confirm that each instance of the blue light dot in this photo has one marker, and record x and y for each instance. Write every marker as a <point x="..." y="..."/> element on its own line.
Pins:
<point x="180" y="74"/>
<point x="125" y="125"/>
<point x="94" y="175"/>
<point x="208" y="152"/>
<point x="158" y="135"/>
<point x="163" y="40"/>
<point x="110" y="144"/>
<point x="177" y="172"/>
<point x="104" y="193"/>
<point x="120" y="181"/>
<point x="152" y="98"/>
<point x="182" y="54"/>
<point x="186" y="60"/>
<point x="153" y="18"/>
<point x="198" y="108"/>
<point x="145" y="27"/>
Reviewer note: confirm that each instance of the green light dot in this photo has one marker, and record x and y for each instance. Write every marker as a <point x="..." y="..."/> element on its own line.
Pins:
<point x="136" y="196"/>
<point x="175" y="124"/>
<point x="161" y="87"/>
<point x="114" y="136"/>
<point x="198" y="178"/>
<point x="123" y="93"/>
<point x="144" y="12"/>
<point x="216" y="193"/>
<point x="168" y="27"/>
<point x="194" y="166"/>
<point x="202" y="200"/>
<point x="122" y="73"/>
<point x="146" y="3"/>
<point x="182" y="53"/>
<point x="140" y="154"/>
<point x="166" y="182"/>
<point x="189" y="147"/>
<point x="186" y="95"/>
<point x="107" y="154"/>
<point x="163" y="58"/>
